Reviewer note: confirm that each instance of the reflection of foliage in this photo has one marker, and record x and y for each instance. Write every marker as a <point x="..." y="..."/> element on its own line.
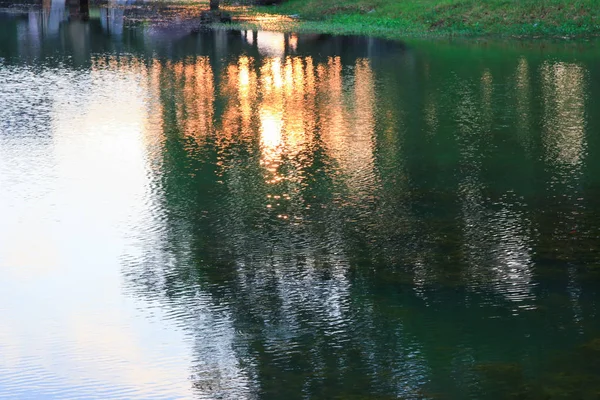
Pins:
<point x="400" y="259"/>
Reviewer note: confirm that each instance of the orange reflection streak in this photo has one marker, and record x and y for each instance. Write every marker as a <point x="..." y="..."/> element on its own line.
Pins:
<point x="286" y="115"/>
<point x="364" y="110"/>
<point x="271" y="118"/>
<point x="231" y="87"/>
<point x="195" y="106"/>
<point x="239" y="87"/>
<point x="333" y="120"/>
<point x="247" y="93"/>
<point x="309" y="86"/>
<point x="348" y="124"/>
<point x="154" y="134"/>
<point x="296" y="139"/>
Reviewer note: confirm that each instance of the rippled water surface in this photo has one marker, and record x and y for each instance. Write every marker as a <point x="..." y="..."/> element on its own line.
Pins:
<point x="256" y="215"/>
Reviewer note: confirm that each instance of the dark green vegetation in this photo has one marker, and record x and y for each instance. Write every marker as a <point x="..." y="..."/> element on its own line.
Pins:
<point x="315" y="217"/>
<point x="392" y="18"/>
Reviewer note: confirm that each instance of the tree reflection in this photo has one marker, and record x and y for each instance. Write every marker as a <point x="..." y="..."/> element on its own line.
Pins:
<point x="305" y="246"/>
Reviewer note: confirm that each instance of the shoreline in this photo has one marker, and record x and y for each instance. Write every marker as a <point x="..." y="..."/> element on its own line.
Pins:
<point x="289" y="17"/>
<point x="297" y="16"/>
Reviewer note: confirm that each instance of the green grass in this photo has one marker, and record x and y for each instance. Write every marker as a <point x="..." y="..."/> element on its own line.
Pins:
<point x="394" y="18"/>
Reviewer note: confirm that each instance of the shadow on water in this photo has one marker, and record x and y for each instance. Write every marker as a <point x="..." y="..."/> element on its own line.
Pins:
<point x="571" y="375"/>
<point x="341" y="217"/>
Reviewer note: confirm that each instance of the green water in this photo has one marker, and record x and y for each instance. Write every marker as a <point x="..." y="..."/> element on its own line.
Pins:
<point x="242" y="215"/>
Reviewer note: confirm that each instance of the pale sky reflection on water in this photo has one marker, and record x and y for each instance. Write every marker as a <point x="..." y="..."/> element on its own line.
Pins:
<point x="81" y="185"/>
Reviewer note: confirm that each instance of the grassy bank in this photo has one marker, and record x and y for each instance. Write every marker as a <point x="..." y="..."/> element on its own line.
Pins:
<point x="394" y="18"/>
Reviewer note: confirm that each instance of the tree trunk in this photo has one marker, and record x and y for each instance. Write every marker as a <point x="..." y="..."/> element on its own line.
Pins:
<point x="214" y="5"/>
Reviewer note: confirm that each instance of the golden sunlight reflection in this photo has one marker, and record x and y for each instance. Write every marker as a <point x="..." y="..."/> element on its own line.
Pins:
<point x="272" y="103"/>
<point x="361" y="147"/>
<point x="191" y="82"/>
<point x="281" y="98"/>
<point x="564" y="94"/>
<point x="239" y="83"/>
<point x="198" y="98"/>
<point x="271" y="115"/>
<point x="347" y="124"/>
<point x="271" y="44"/>
<point x="283" y="116"/>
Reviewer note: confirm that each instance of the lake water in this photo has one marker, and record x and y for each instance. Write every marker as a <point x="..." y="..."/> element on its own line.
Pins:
<point x="258" y="215"/>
